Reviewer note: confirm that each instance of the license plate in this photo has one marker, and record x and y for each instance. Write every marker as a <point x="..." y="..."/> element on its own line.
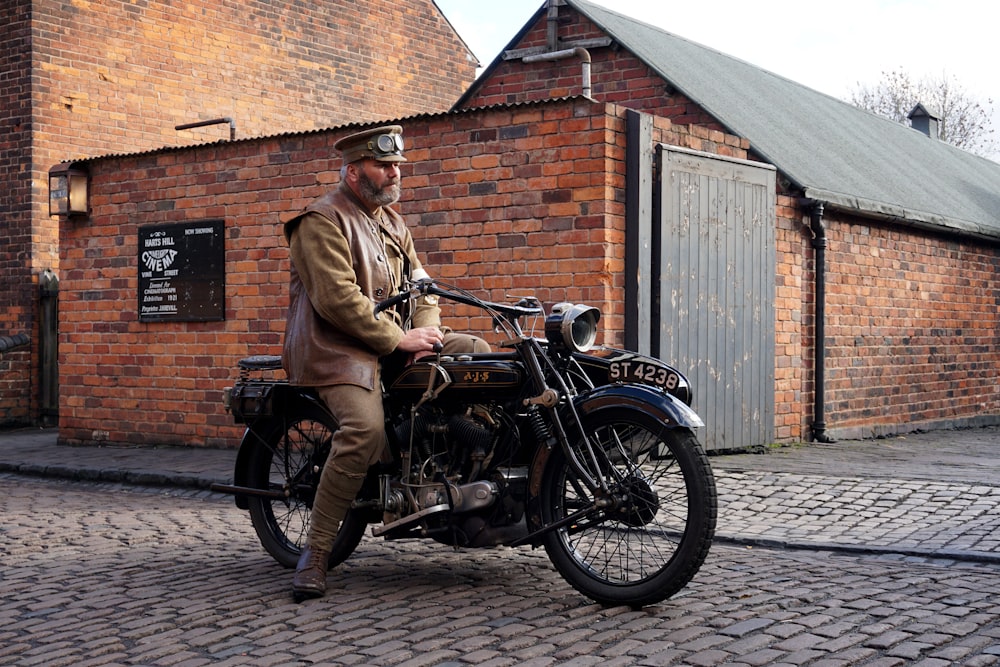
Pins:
<point x="643" y="372"/>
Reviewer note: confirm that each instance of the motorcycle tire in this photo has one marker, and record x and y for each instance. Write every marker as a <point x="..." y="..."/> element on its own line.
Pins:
<point x="649" y="544"/>
<point x="289" y="456"/>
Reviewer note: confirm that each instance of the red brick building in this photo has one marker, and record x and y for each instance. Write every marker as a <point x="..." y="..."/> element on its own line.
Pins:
<point x="867" y="291"/>
<point x="905" y="228"/>
<point x="84" y="79"/>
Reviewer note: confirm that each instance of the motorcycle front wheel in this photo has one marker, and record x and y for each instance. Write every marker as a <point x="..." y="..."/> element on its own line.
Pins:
<point x="288" y="457"/>
<point x="651" y="539"/>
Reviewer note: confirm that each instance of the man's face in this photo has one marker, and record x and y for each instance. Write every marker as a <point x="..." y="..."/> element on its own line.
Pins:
<point x="379" y="182"/>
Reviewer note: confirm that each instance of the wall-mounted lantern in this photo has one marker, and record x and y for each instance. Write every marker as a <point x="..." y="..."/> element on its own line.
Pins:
<point x="68" y="190"/>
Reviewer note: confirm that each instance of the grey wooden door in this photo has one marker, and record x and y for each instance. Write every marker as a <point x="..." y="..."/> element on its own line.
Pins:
<point x="716" y="289"/>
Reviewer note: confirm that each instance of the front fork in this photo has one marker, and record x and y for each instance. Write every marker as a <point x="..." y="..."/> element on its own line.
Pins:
<point x="548" y="399"/>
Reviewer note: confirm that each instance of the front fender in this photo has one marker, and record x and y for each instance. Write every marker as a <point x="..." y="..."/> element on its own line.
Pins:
<point x="669" y="410"/>
<point x="666" y="407"/>
<point x="600" y="364"/>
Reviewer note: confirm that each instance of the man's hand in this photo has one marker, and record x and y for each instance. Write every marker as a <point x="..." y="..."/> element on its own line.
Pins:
<point x="420" y="341"/>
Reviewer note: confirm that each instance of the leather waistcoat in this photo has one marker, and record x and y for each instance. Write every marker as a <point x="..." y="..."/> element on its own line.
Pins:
<point x="344" y="346"/>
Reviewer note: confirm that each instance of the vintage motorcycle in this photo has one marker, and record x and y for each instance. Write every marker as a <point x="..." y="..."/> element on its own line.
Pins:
<point x="552" y="441"/>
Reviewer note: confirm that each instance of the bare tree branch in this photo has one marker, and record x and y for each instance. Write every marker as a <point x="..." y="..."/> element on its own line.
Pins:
<point x="965" y="121"/>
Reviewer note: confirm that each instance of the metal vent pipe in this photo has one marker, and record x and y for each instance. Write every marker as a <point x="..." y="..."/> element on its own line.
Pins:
<point x="579" y="51"/>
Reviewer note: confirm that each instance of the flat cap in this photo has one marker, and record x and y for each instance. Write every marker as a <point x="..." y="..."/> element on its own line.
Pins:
<point x="384" y="144"/>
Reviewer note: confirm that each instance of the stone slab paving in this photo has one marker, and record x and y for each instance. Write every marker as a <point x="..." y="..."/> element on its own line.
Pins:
<point x="906" y="516"/>
<point x="933" y="494"/>
<point x="969" y="456"/>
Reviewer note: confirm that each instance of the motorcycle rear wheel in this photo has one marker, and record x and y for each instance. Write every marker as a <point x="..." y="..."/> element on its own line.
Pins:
<point x="653" y="540"/>
<point x="289" y="457"/>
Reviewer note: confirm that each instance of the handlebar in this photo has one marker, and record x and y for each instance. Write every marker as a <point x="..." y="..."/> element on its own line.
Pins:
<point x="429" y="287"/>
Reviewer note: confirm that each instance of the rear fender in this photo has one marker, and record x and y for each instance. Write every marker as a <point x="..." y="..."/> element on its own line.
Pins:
<point x="281" y="403"/>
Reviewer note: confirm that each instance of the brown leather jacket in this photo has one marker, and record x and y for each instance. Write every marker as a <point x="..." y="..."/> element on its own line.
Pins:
<point x="343" y="262"/>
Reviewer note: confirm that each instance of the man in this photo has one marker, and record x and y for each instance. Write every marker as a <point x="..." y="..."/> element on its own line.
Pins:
<point x="349" y="250"/>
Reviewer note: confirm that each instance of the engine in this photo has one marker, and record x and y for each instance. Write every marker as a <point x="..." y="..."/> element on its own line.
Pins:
<point x="454" y="445"/>
<point x="452" y="482"/>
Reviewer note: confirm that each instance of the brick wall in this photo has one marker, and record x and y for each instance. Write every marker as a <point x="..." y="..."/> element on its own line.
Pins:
<point x="511" y="199"/>
<point x="524" y="200"/>
<point x="117" y="76"/>
<point x="912" y="338"/>
<point x="792" y="299"/>
<point x="15" y="209"/>
<point x="114" y="77"/>
<point x="514" y="200"/>
<point x="902" y="351"/>
<point x="617" y="76"/>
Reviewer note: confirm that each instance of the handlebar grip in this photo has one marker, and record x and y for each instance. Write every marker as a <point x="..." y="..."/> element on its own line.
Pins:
<point x="422" y="286"/>
<point x="390" y="302"/>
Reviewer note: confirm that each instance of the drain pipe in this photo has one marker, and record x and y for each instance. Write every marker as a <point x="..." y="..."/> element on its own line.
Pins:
<point x="579" y="51"/>
<point x="818" y="228"/>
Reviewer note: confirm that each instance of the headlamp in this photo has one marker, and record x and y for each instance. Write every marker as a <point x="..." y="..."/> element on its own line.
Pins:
<point x="572" y="326"/>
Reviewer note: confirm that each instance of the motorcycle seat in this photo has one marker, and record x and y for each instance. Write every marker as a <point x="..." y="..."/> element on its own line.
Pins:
<point x="260" y="362"/>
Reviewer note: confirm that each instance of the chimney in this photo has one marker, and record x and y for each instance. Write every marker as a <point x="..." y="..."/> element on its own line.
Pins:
<point x="924" y="121"/>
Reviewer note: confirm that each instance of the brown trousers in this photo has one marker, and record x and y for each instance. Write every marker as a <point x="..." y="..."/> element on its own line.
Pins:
<point x="357" y="445"/>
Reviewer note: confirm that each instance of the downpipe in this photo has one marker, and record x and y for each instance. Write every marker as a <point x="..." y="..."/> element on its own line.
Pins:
<point x="818" y="228"/>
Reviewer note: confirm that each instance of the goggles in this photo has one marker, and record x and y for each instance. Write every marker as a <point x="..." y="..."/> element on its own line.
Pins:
<point x="386" y="145"/>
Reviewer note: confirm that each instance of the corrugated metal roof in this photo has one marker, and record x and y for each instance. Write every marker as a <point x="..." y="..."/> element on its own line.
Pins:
<point x="832" y="150"/>
<point x="333" y="128"/>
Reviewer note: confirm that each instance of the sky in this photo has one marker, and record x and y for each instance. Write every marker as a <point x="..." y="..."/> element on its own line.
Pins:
<point x="832" y="47"/>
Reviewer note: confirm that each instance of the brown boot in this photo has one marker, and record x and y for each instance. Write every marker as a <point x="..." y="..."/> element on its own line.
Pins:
<point x="310" y="574"/>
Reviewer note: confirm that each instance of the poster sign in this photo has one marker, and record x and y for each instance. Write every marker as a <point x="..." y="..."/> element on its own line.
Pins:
<point x="182" y="272"/>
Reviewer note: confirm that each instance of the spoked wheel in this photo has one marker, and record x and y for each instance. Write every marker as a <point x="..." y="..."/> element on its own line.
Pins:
<point x="654" y="532"/>
<point x="288" y="458"/>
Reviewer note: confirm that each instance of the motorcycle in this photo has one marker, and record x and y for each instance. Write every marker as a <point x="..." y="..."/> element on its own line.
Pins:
<point x="552" y="441"/>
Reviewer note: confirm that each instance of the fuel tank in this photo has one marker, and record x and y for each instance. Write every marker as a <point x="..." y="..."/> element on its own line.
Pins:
<point x="466" y="379"/>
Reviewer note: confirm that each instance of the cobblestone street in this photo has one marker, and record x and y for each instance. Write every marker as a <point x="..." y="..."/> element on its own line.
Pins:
<point x="102" y="574"/>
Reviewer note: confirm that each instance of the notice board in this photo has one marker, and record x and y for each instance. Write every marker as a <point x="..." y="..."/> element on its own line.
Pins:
<point x="182" y="272"/>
